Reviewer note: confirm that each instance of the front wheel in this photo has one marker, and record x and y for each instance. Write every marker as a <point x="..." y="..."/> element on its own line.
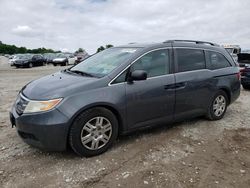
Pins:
<point x="93" y="132"/>
<point x="30" y="65"/>
<point x="218" y="106"/>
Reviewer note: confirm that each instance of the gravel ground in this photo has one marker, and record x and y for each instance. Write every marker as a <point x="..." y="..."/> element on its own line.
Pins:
<point x="195" y="153"/>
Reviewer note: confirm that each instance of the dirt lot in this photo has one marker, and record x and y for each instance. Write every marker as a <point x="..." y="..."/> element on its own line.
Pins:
<point x="196" y="153"/>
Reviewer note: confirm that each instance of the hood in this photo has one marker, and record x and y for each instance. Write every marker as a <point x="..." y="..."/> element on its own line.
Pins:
<point x="59" y="59"/>
<point x="60" y="84"/>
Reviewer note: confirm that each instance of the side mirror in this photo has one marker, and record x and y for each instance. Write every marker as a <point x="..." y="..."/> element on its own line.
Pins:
<point x="137" y="75"/>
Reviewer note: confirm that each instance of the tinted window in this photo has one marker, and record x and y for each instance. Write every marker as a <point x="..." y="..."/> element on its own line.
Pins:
<point x="217" y="60"/>
<point x="155" y="63"/>
<point x="190" y="59"/>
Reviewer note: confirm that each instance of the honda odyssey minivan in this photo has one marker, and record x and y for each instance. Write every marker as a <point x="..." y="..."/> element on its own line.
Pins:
<point x="122" y="89"/>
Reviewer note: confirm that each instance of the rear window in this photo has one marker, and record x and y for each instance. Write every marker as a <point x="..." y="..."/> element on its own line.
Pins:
<point x="217" y="60"/>
<point x="190" y="59"/>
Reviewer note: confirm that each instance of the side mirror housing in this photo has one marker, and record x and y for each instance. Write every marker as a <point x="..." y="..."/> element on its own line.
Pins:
<point x="137" y="75"/>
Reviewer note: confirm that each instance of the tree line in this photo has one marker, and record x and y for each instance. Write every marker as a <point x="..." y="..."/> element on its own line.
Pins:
<point x="12" y="49"/>
<point x="101" y="48"/>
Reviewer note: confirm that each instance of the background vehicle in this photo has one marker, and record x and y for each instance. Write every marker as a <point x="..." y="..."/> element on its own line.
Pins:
<point x="233" y="50"/>
<point x="125" y="88"/>
<point x="244" y="63"/>
<point x="244" y="59"/>
<point x="80" y="57"/>
<point x="49" y="57"/>
<point x="63" y="59"/>
<point x="13" y="58"/>
<point x="29" y="60"/>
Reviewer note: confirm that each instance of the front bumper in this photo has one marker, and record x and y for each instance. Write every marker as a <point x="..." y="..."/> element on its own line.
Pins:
<point x="47" y="130"/>
<point x="21" y="64"/>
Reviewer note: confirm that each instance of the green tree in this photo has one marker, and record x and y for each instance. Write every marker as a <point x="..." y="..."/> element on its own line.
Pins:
<point x="12" y="49"/>
<point x="80" y="50"/>
<point x="101" y="48"/>
<point x="109" y="46"/>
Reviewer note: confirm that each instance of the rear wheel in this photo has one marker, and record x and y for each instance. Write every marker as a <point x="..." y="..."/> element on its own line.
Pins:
<point x="93" y="132"/>
<point x="218" y="106"/>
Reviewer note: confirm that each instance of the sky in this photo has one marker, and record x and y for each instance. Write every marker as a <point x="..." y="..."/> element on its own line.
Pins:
<point x="70" y="24"/>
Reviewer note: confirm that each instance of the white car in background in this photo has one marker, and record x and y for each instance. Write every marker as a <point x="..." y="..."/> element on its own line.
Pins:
<point x="233" y="50"/>
<point x="64" y="59"/>
<point x="13" y="58"/>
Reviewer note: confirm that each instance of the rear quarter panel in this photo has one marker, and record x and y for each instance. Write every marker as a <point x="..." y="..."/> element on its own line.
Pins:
<point x="227" y="79"/>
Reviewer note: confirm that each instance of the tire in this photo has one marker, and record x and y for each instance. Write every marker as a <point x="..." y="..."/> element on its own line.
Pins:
<point x="86" y="127"/>
<point x="30" y="65"/>
<point x="54" y="64"/>
<point x="247" y="87"/>
<point x="218" y="106"/>
<point x="66" y="63"/>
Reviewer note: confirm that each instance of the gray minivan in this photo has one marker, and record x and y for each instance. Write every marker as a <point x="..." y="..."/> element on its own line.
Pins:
<point x="122" y="89"/>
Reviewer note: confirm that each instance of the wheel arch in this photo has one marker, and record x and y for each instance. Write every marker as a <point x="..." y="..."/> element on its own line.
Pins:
<point x="227" y="91"/>
<point x="108" y="106"/>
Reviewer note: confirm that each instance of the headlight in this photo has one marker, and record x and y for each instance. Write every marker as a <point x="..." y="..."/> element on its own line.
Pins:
<point x="41" y="106"/>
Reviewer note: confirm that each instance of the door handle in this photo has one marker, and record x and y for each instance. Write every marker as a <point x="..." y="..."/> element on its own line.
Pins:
<point x="169" y="87"/>
<point x="180" y="85"/>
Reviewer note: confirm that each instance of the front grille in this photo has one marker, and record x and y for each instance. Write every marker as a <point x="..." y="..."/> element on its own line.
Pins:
<point x="21" y="104"/>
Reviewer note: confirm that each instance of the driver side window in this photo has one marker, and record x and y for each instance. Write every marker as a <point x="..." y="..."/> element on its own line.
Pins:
<point x="155" y="63"/>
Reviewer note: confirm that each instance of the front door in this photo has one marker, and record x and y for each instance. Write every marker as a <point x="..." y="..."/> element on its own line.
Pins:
<point x="151" y="100"/>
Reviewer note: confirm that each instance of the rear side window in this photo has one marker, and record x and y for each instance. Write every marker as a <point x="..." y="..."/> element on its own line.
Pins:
<point x="190" y="59"/>
<point x="217" y="60"/>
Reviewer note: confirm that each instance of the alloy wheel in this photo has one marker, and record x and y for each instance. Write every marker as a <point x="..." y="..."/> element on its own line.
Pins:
<point x="219" y="105"/>
<point x="96" y="133"/>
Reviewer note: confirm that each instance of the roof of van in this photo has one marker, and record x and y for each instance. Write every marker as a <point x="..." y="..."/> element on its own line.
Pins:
<point x="175" y="43"/>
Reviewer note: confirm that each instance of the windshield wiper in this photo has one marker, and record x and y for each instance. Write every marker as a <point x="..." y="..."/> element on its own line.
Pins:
<point x="81" y="72"/>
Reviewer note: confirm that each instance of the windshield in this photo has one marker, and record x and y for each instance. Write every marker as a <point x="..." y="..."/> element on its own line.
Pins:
<point x="61" y="55"/>
<point x="24" y="56"/>
<point x="104" y="62"/>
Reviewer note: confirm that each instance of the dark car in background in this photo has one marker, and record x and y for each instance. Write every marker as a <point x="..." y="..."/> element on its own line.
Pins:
<point x="122" y="89"/>
<point x="29" y="60"/>
<point x="244" y="63"/>
<point x="49" y="57"/>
